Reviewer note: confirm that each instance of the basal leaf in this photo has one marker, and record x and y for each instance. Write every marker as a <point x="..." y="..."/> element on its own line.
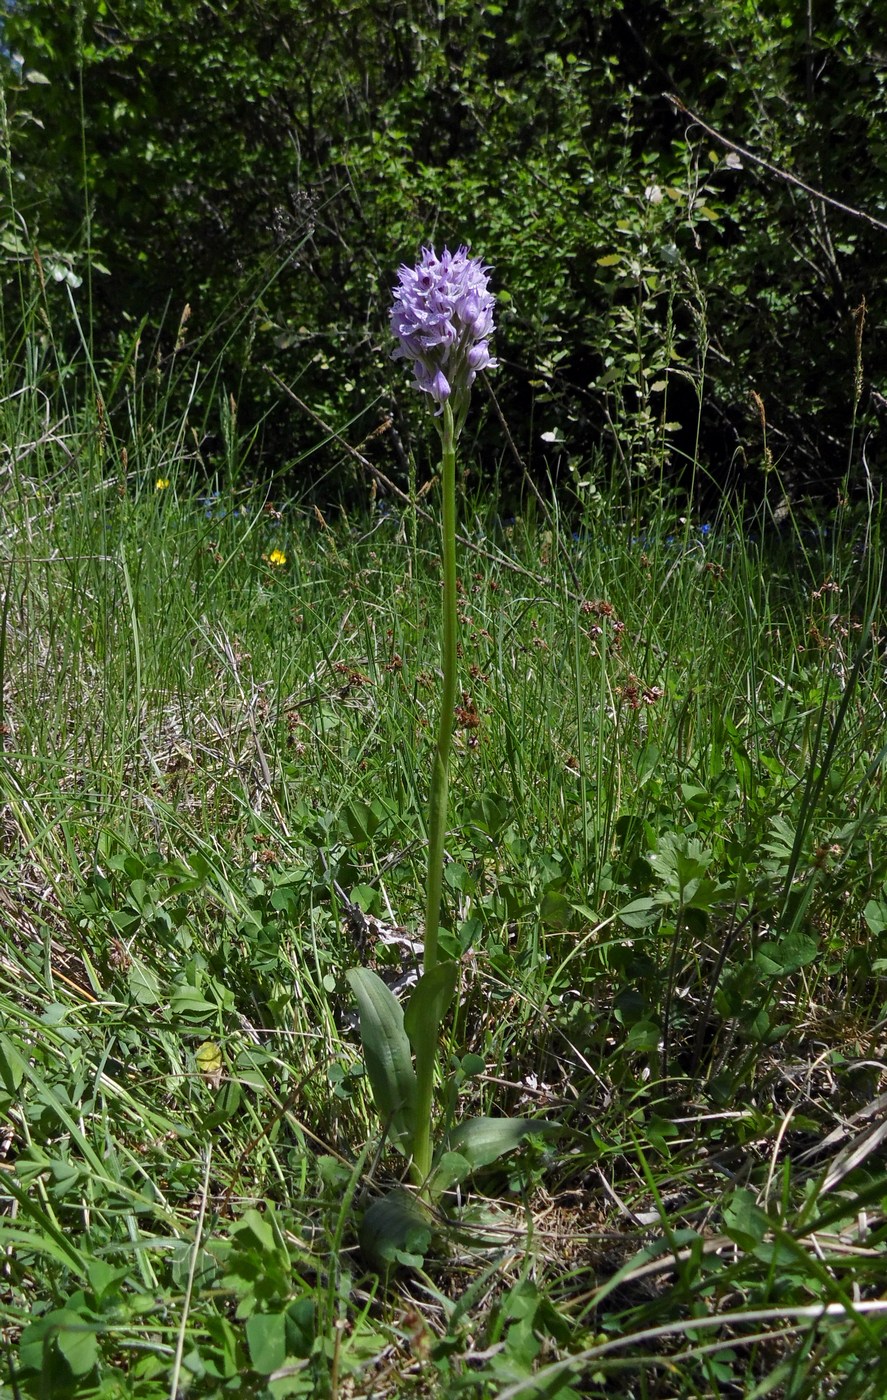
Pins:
<point x="386" y="1049"/>
<point x="484" y="1140"/>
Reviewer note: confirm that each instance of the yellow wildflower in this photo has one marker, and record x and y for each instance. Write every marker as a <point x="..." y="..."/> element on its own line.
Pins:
<point x="161" y="483"/>
<point x="277" y="558"/>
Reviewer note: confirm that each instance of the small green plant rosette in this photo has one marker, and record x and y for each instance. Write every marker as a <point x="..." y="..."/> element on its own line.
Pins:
<point x="400" y="1227"/>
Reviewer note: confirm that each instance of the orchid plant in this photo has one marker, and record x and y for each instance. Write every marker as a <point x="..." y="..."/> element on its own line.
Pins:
<point x="442" y="320"/>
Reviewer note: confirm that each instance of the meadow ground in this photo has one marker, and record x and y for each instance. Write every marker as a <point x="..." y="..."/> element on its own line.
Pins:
<point x="665" y="889"/>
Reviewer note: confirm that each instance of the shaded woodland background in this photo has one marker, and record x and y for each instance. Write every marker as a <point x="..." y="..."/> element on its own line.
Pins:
<point x="666" y="306"/>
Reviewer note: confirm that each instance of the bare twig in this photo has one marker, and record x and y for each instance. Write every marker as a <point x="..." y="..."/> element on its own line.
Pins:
<point x="774" y="169"/>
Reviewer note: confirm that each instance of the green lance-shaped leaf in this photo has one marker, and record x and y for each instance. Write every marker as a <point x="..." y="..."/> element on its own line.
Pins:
<point x="386" y="1050"/>
<point x="484" y="1140"/>
<point x="428" y="1005"/>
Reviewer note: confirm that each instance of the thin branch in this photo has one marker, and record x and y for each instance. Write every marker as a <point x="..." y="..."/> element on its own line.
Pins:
<point x="774" y="169"/>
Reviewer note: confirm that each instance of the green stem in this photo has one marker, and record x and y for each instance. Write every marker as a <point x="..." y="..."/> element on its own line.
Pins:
<point x="426" y="1054"/>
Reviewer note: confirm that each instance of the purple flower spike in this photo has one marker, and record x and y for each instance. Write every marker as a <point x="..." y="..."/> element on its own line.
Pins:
<point x="442" y="319"/>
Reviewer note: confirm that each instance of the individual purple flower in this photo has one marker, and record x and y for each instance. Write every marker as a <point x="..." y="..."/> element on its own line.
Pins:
<point x="442" y="319"/>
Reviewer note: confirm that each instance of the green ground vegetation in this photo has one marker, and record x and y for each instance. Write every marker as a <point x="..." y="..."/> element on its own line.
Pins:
<point x="664" y="890"/>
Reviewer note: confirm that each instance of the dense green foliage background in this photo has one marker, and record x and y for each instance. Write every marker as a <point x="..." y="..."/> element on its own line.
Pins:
<point x="270" y="164"/>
